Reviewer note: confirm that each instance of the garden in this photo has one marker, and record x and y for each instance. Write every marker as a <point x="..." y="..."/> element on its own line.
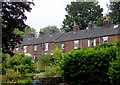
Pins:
<point x="93" y="66"/>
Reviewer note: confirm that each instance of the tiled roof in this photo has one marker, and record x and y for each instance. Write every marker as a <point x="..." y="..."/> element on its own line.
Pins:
<point x="95" y="32"/>
<point x="69" y="36"/>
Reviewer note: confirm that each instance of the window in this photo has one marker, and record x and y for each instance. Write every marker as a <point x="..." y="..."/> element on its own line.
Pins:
<point x="91" y="42"/>
<point x="35" y="56"/>
<point x="76" y="44"/>
<point x="35" y="48"/>
<point x="105" y="39"/>
<point x="62" y="46"/>
<point x="17" y="49"/>
<point x="25" y="49"/>
<point x="46" y="46"/>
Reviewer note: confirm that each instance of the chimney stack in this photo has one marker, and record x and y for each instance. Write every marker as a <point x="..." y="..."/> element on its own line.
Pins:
<point x="76" y="27"/>
<point x="90" y="25"/>
<point x="30" y="35"/>
<point x="106" y="22"/>
<point x="52" y="31"/>
<point x="41" y="33"/>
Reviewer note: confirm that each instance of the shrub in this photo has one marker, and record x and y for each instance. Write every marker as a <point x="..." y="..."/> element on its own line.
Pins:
<point x="114" y="70"/>
<point x="4" y="64"/>
<point x="25" y="82"/>
<point x="44" y="58"/>
<point x="12" y="75"/>
<point x="88" y="65"/>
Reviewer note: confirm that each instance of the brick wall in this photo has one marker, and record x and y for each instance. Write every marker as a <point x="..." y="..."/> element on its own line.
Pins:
<point x="51" y="46"/>
<point x="69" y="45"/>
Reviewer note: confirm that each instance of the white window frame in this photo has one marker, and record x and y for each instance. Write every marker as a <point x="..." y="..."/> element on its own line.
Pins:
<point x="62" y="46"/>
<point x="46" y="46"/>
<point x="76" y="42"/>
<point x="25" y="49"/>
<point x="35" y="48"/>
<point x="35" y="56"/>
<point x="94" y="42"/>
<point x="90" y="43"/>
<point x="17" y="49"/>
<point x="105" y="39"/>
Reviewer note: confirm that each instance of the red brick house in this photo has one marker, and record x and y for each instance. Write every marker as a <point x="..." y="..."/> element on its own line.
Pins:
<point x="71" y="40"/>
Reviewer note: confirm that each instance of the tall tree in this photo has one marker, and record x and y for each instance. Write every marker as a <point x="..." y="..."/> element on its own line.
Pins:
<point x="13" y="16"/>
<point x="47" y="29"/>
<point x="81" y="13"/>
<point x="24" y="34"/>
<point x="114" y="7"/>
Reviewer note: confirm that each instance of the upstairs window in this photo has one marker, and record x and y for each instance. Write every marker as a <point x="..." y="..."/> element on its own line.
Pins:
<point x="105" y="39"/>
<point x="62" y="46"/>
<point x="35" y="48"/>
<point x="46" y="46"/>
<point x="25" y="49"/>
<point x="91" y="42"/>
<point x="76" y="44"/>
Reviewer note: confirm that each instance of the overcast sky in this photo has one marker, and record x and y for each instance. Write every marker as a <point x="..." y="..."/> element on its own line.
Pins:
<point x="51" y="12"/>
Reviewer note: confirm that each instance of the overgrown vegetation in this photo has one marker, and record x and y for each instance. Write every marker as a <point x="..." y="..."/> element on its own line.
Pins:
<point x="54" y="68"/>
<point x="95" y="66"/>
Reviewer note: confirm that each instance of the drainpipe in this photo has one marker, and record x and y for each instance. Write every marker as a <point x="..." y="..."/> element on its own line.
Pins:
<point x="42" y="48"/>
<point x="99" y="40"/>
<point x="81" y="43"/>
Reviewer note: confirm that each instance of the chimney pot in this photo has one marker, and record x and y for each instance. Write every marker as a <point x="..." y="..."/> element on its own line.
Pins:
<point x="30" y="35"/>
<point x="90" y="25"/>
<point x="106" y="22"/>
<point x="52" y="31"/>
<point x="41" y="33"/>
<point x="76" y="27"/>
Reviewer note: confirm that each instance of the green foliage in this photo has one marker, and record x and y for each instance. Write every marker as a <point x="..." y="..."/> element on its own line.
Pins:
<point x="114" y="7"/>
<point x="57" y="55"/>
<point x="12" y="75"/>
<point x="100" y="21"/>
<point x="15" y="60"/>
<point x="4" y="62"/>
<point x="24" y="34"/>
<point x="81" y="13"/>
<point x="114" y="70"/>
<point x="18" y="32"/>
<point x="88" y="66"/>
<point x="47" y="29"/>
<point x="105" y="45"/>
<point x="54" y="68"/>
<point x="25" y="82"/>
<point x="44" y="58"/>
<point x="22" y="62"/>
<point x="29" y="30"/>
<point x="13" y="16"/>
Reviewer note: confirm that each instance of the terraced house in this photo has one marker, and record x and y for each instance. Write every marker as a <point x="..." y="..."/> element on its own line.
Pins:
<point x="89" y="37"/>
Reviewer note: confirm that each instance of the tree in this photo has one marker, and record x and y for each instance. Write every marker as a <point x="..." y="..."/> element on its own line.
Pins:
<point x="24" y="34"/>
<point x="114" y="7"/>
<point x="47" y="29"/>
<point x="81" y="13"/>
<point x="100" y="21"/>
<point x="89" y="66"/>
<point x="28" y="30"/>
<point x="13" y="16"/>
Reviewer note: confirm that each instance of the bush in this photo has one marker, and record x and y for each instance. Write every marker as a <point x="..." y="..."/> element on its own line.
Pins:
<point x="44" y="58"/>
<point x="25" y="82"/>
<point x="4" y="64"/>
<point x="88" y="66"/>
<point x="12" y="75"/>
<point x="22" y="62"/>
<point x="114" y="70"/>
